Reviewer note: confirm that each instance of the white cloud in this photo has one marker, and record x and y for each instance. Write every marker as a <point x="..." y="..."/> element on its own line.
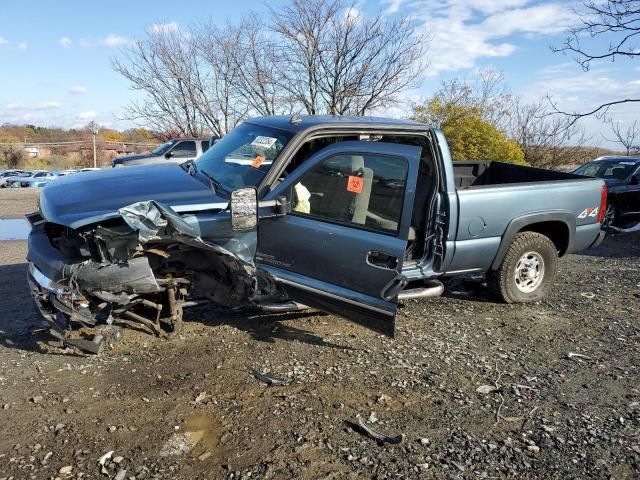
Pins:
<point x="88" y="115"/>
<point x="14" y="106"/>
<point x="112" y="40"/>
<point x="65" y="42"/>
<point x="77" y="90"/>
<point x="464" y="31"/>
<point x="23" y="45"/>
<point x="3" y="41"/>
<point x="161" y="28"/>
<point x="48" y="105"/>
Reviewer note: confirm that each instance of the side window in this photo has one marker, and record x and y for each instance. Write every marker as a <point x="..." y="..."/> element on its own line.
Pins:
<point x="360" y="190"/>
<point x="205" y="145"/>
<point x="184" y="149"/>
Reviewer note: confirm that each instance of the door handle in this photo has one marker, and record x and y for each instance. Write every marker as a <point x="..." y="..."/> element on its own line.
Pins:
<point x="382" y="260"/>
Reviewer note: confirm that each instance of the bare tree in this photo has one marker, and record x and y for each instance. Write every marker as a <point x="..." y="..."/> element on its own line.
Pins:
<point x="615" y="23"/>
<point x="627" y="138"/>
<point x="318" y="56"/>
<point x="259" y="74"/>
<point x="546" y="140"/>
<point x="335" y="60"/>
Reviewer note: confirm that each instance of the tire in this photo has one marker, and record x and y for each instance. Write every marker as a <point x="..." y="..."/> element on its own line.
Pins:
<point x="610" y="216"/>
<point x="527" y="271"/>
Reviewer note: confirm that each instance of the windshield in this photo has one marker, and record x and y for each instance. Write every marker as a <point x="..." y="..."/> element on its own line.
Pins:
<point x="162" y="149"/>
<point x="611" y="169"/>
<point x="243" y="156"/>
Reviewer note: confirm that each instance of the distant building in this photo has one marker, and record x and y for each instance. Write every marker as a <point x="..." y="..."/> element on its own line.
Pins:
<point x="32" y="151"/>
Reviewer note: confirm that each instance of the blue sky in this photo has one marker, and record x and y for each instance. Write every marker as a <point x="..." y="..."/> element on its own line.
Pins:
<point x="56" y="55"/>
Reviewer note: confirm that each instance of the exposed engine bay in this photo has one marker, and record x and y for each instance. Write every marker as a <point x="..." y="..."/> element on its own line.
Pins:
<point x="139" y="269"/>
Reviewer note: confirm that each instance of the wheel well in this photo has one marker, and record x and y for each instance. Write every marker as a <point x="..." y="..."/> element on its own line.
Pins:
<point x="556" y="231"/>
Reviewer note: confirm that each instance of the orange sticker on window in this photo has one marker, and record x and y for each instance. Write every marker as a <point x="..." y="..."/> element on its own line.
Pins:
<point x="355" y="184"/>
<point x="258" y="161"/>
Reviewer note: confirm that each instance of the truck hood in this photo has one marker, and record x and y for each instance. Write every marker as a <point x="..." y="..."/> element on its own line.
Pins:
<point x="88" y="197"/>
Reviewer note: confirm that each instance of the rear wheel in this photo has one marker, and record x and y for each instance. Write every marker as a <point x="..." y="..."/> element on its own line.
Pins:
<point x="527" y="270"/>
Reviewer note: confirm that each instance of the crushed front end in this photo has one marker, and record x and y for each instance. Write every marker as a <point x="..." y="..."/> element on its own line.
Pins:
<point x="137" y="269"/>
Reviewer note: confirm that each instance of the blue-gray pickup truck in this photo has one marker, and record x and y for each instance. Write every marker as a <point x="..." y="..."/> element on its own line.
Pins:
<point x="348" y="215"/>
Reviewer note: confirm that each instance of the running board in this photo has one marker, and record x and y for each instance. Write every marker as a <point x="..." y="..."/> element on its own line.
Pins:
<point x="282" y="307"/>
<point x="435" y="289"/>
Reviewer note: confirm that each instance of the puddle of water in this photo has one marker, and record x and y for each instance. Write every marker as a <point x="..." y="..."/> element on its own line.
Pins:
<point x="14" y="229"/>
<point x="200" y="431"/>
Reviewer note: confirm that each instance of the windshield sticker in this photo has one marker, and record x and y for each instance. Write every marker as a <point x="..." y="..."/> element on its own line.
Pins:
<point x="355" y="184"/>
<point x="259" y="160"/>
<point x="265" y="142"/>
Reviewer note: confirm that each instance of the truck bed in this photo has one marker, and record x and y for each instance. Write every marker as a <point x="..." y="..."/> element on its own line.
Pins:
<point x="484" y="174"/>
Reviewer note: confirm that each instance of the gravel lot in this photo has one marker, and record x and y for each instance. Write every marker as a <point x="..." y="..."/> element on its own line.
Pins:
<point x="558" y="381"/>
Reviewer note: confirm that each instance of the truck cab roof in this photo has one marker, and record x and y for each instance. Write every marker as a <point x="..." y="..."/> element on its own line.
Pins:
<point x="299" y="123"/>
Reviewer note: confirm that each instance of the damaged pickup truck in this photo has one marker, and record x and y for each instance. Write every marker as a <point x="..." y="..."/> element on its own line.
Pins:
<point x="348" y="215"/>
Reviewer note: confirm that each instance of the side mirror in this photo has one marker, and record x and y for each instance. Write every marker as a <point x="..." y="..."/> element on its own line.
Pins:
<point x="168" y="155"/>
<point x="244" y="208"/>
<point x="634" y="180"/>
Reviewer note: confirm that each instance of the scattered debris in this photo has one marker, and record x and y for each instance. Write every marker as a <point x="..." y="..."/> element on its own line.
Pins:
<point x="486" y="389"/>
<point x="103" y="459"/>
<point x="588" y="295"/>
<point x="269" y="378"/>
<point x="571" y="355"/>
<point x="66" y="470"/>
<point x="121" y="475"/>
<point x="202" y="457"/>
<point x="380" y="437"/>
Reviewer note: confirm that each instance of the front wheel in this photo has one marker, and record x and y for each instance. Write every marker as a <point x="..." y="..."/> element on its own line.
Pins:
<point x="610" y="215"/>
<point x="527" y="270"/>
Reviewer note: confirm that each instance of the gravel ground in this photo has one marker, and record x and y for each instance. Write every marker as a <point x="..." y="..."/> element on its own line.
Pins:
<point x="478" y="389"/>
<point x="15" y="202"/>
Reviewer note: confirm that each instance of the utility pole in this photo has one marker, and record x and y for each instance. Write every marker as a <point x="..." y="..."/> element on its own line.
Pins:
<point x="93" y="126"/>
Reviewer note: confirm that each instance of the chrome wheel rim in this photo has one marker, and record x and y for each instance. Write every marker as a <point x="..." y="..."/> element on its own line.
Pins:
<point x="529" y="272"/>
<point x="609" y="215"/>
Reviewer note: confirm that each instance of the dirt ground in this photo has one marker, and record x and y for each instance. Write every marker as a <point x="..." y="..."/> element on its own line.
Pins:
<point x="559" y="387"/>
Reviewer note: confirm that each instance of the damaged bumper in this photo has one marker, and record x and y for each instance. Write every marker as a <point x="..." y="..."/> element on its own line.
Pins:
<point x="138" y="270"/>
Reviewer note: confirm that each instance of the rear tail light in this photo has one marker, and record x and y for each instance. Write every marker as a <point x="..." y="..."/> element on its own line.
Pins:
<point x="603" y="204"/>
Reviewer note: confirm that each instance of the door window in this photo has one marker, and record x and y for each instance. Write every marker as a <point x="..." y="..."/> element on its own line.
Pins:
<point x="184" y="149"/>
<point x="205" y="145"/>
<point x="365" y="191"/>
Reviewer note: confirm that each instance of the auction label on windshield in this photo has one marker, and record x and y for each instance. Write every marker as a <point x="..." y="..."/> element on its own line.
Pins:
<point x="259" y="160"/>
<point x="265" y="142"/>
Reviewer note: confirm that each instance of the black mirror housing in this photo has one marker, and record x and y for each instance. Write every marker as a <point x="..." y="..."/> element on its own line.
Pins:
<point x="634" y="180"/>
<point x="168" y="155"/>
<point x="244" y="208"/>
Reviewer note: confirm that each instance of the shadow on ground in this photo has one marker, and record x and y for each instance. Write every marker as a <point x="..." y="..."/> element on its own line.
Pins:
<point x="19" y="318"/>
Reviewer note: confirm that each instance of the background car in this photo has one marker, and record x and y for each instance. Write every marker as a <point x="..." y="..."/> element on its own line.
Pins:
<point x="176" y="151"/>
<point x="5" y="174"/>
<point x="14" y="182"/>
<point x="622" y="176"/>
<point x="42" y="180"/>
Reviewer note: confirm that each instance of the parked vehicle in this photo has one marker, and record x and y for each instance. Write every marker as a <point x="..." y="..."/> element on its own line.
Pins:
<point x="14" y="182"/>
<point x="345" y="214"/>
<point x="622" y="177"/>
<point x="5" y="174"/>
<point x="40" y="181"/>
<point x="175" y="151"/>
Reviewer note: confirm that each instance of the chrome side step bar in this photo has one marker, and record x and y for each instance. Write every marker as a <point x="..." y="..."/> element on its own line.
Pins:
<point x="434" y="288"/>
<point x="282" y="307"/>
